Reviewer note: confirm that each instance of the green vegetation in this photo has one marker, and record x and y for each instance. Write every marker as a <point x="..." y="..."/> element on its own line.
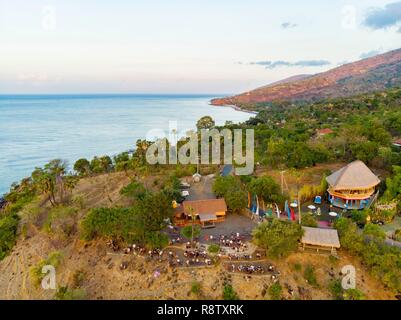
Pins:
<point x="309" y="220"/>
<point x="233" y="192"/>
<point x="61" y="221"/>
<point x="266" y="188"/>
<point x="285" y="134"/>
<point x="278" y="237"/>
<point x="213" y="248"/>
<point x="142" y="222"/>
<point x="336" y="290"/>
<point x="353" y="294"/>
<point x="54" y="259"/>
<point x="205" y="122"/>
<point x="64" y="293"/>
<point x="373" y="230"/>
<point x="383" y="261"/>
<point x="191" y="232"/>
<point x="275" y="291"/>
<point x="8" y="233"/>
<point x="310" y="276"/>
<point x="196" y="288"/>
<point x="229" y="293"/>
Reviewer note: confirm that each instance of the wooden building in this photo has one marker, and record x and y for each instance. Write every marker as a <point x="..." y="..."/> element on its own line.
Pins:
<point x="320" y="239"/>
<point x="207" y="212"/>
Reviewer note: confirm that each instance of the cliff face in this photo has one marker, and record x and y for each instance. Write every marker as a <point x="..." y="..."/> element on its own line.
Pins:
<point x="372" y="74"/>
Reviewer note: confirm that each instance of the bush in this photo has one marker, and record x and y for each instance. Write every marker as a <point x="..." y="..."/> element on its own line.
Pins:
<point x="310" y="276"/>
<point x="54" y="259"/>
<point x="186" y="232"/>
<point x="196" y="288"/>
<point x="336" y="290"/>
<point x="8" y="233"/>
<point x="309" y="220"/>
<point x="275" y="291"/>
<point x="229" y="293"/>
<point x="64" y="293"/>
<point x="353" y="294"/>
<point x="134" y="190"/>
<point x="61" y="221"/>
<point x="373" y="230"/>
<point x="213" y="248"/>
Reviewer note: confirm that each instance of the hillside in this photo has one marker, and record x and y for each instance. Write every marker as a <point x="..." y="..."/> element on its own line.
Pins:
<point x="364" y="76"/>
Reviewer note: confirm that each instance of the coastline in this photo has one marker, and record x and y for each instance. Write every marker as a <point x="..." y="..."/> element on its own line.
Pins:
<point x="234" y="107"/>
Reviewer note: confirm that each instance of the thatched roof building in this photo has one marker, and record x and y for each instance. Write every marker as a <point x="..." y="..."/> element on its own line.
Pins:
<point x="327" y="238"/>
<point x="352" y="186"/>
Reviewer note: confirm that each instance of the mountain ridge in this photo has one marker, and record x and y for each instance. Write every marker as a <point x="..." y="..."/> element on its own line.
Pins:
<point x="364" y="76"/>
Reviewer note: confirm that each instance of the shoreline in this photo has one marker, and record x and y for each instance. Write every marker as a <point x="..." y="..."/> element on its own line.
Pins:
<point x="236" y="108"/>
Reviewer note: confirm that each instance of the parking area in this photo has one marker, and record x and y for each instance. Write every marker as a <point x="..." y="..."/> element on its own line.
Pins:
<point x="201" y="190"/>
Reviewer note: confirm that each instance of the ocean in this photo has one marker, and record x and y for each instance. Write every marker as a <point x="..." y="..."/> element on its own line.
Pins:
<point x="37" y="128"/>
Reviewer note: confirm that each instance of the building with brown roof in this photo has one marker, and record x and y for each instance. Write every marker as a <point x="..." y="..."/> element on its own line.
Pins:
<point x="323" y="132"/>
<point x="207" y="212"/>
<point x="352" y="187"/>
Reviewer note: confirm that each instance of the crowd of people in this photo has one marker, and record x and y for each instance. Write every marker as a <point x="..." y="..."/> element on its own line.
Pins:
<point x="255" y="269"/>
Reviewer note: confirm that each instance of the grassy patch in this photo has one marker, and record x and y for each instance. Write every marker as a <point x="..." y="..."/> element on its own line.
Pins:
<point x="229" y="293"/>
<point x="213" y="248"/>
<point x="310" y="276"/>
<point x="275" y="291"/>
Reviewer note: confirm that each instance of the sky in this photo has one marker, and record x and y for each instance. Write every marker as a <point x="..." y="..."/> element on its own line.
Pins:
<point x="184" y="46"/>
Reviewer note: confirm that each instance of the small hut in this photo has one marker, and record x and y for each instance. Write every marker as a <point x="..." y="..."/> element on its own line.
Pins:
<point x="352" y="187"/>
<point x="320" y="239"/>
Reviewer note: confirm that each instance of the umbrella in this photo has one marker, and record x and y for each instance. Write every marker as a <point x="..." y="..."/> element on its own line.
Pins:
<point x="293" y="205"/>
<point x="333" y="214"/>
<point x="312" y="207"/>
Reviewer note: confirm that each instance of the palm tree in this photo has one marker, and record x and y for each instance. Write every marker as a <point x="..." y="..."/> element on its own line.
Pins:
<point x="193" y="219"/>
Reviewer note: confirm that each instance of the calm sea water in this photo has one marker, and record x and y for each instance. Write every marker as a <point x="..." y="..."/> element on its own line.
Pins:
<point x="36" y="129"/>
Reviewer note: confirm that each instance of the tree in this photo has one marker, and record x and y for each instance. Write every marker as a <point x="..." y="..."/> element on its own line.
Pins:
<point x="122" y="162"/>
<point x="232" y="190"/>
<point x="350" y="237"/>
<point x="101" y="165"/>
<point x="266" y="188"/>
<point x="82" y="167"/>
<point x="393" y="185"/>
<point x="205" y="122"/>
<point x="190" y="232"/>
<point x="279" y="238"/>
<point x="373" y="230"/>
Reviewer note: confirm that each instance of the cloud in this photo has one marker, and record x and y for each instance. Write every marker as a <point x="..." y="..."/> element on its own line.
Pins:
<point x="369" y="54"/>
<point x="288" y="25"/>
<point x="383" y="18"/>
<point x="281" y="63"/>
